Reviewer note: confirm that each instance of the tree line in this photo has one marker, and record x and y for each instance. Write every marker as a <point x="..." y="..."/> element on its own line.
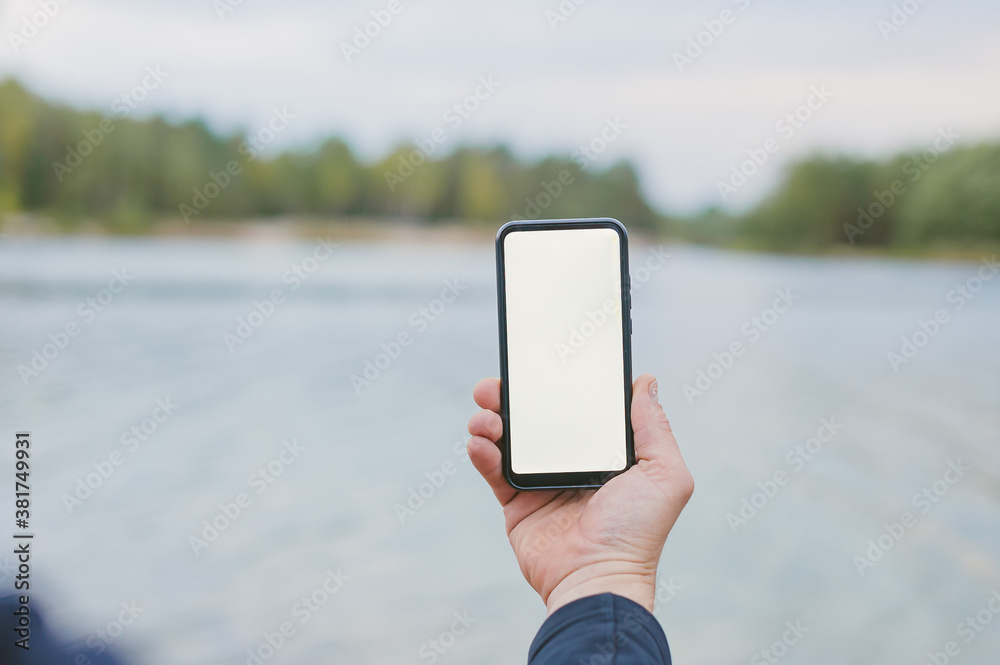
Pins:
<point x="944" y="196"/>
<point x="124" y="174"/>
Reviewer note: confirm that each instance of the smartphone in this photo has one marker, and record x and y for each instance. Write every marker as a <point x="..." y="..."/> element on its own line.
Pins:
<point x="565" y="352"/>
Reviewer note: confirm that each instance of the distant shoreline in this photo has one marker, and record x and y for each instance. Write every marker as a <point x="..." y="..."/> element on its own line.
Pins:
<point x="361" y="228"/>
<point x="397" y="230"/>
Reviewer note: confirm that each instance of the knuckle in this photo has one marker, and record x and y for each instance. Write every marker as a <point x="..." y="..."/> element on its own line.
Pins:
<point x="686" y="485"/>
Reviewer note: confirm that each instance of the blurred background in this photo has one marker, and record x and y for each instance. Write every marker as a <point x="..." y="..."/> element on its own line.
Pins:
<point x="216" y="216"/>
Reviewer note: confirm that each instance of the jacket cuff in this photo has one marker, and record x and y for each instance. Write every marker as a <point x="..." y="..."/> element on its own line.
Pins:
<point x="604" y="625"/>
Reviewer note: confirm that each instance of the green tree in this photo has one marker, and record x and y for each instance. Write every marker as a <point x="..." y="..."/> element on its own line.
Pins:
<point x="955" y="200"/>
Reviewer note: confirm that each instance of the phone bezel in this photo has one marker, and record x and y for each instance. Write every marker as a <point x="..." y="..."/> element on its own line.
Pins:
<point x="569" y="480"/>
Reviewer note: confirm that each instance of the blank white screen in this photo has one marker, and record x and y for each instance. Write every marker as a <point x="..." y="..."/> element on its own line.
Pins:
<point x="565" y="351"/>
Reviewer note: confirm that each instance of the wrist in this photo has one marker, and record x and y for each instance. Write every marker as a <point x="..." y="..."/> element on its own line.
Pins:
<point x="636" y="582"/>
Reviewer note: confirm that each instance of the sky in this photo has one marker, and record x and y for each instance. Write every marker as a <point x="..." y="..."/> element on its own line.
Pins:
<point x="693" y="89"/>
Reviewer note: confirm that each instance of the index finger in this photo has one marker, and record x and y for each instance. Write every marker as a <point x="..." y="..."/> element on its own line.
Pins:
<point x="487" y="394"/>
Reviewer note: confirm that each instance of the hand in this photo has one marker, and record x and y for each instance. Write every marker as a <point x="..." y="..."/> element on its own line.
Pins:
<point x="576" y="543"/>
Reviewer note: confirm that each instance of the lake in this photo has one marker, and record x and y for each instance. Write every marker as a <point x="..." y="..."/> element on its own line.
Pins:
<point x="202" y="454"/>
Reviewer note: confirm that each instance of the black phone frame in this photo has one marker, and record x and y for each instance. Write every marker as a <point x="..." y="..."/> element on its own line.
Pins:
<point x="569" y="480"/>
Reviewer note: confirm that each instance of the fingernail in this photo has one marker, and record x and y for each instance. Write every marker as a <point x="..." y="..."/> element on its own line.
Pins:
<point x="654" y="392"/>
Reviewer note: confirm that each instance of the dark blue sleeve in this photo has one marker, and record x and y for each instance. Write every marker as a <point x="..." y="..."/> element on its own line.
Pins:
<point x="604" y="629"/>
<point x="42" y="646"/>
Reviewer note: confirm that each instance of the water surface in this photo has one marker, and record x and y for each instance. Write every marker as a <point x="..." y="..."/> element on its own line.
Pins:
<point x="337" y="503"/>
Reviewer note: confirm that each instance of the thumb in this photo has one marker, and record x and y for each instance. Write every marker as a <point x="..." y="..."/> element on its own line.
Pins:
<point x="654" y="439"/>
<point x="655" y="446"/>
